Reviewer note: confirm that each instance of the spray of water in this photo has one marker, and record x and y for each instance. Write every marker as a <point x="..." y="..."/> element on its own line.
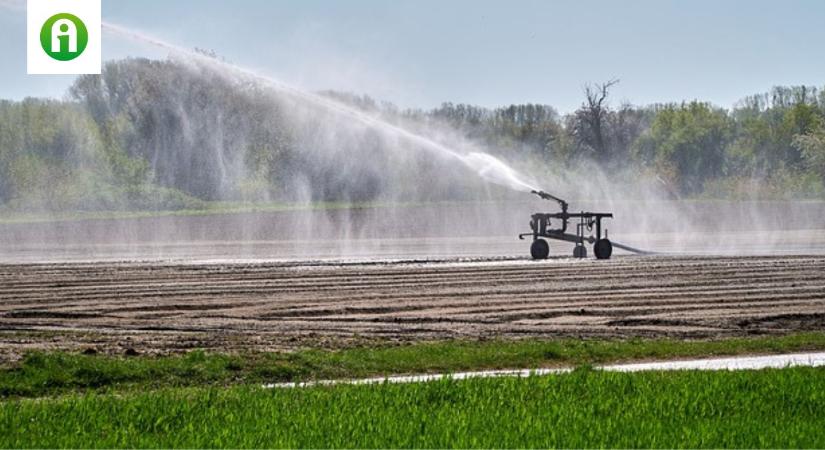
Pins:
<point x="485" y="165"/>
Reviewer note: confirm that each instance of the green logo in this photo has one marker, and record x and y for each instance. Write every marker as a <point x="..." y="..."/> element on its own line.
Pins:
<point x="64" y="37"/>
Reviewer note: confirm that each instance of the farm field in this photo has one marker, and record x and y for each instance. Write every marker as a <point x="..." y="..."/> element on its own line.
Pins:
<point x="160" y="331"/>
<point x="156" y="308"/>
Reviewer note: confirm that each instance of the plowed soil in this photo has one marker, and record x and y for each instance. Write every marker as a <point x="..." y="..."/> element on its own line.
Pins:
<point x="166" y="308"/>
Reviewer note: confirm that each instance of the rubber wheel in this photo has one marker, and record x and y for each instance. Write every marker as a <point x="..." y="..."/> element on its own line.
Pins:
<point x="580" y="251"/>
<point x="603" y="249"/>
<point x="539" y="249"/>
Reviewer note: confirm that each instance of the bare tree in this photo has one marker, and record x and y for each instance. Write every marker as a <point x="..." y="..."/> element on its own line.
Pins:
<point x="591" y="117"/>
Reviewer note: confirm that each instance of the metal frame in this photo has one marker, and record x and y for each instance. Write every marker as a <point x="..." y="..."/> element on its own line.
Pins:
<point x="541" y="222"/>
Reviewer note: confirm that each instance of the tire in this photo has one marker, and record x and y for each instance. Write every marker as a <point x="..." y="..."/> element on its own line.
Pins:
<point x="580" y="251"/>
<point x="603" y="249"/>
<point x="539" y="249"/>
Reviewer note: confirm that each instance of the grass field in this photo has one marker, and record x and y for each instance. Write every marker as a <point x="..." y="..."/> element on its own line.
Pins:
<point x="42" y="374"/>
<point x="769" y="408"/>
<point x="216" y="400"/>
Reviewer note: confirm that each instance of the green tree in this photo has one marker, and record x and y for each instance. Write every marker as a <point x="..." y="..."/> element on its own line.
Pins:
<point x="812" y="147"/>
<point x="686" y="144"/>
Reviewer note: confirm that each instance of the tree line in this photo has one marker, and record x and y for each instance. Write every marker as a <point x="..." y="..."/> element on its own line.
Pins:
<point x="150" y="134"/>
<point x="771" y="142"/>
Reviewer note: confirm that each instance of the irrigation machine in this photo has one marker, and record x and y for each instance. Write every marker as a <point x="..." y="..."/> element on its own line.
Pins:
<point x="585" y="222"/>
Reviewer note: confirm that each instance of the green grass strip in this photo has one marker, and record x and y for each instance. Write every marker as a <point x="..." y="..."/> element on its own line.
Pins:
<point x="44" y="374"/>
<point x="585" y="409"/>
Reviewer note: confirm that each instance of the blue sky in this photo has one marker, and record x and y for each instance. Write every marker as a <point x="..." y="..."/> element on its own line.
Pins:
<point x="423" y="52"/>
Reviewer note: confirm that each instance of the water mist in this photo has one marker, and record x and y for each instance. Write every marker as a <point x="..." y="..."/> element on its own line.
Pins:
<point x="485" y="165"/>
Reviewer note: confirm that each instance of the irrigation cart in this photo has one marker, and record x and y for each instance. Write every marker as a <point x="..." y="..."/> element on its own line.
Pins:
<point x="586" y="221"/>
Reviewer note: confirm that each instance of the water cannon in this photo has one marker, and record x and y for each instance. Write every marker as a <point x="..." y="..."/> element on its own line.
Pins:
<point x="544" y="195"/>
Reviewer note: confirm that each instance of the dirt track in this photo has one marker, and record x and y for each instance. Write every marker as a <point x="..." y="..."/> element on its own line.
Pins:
<point x="166" y="308"/>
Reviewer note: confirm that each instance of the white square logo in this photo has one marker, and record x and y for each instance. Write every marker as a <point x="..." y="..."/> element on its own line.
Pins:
<point x="63" y="37"/>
